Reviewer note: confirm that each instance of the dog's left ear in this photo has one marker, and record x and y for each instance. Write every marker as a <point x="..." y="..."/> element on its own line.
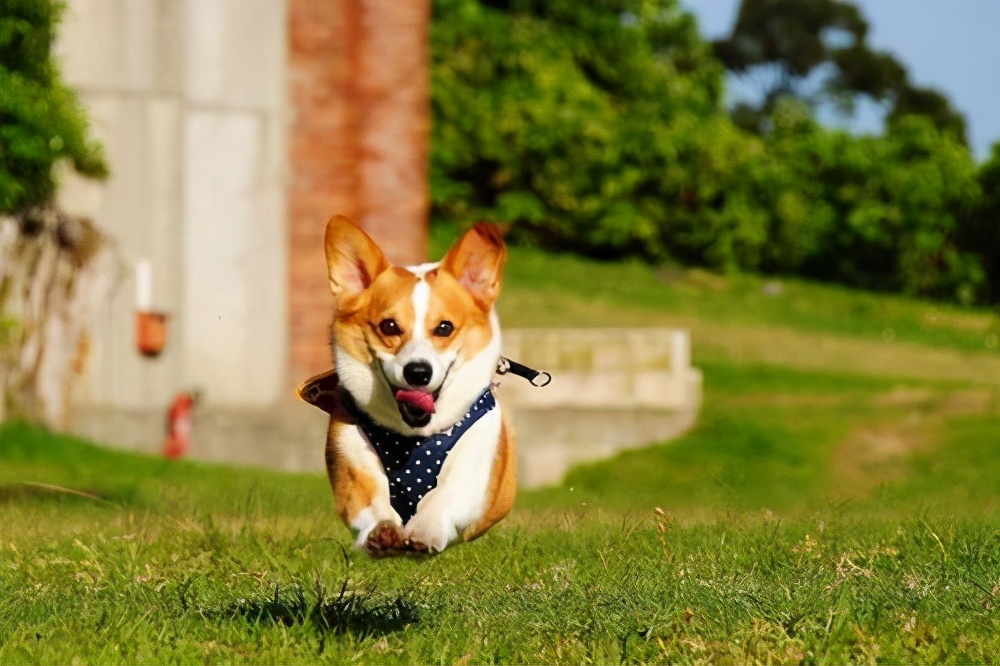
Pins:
<point x="353" y="259"/>
<point x="476" y="260"/>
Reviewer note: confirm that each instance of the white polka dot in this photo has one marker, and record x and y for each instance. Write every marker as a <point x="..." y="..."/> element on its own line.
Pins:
<point x="438" y="462"/>
<point x="428" y="453"/>
<point x="418" y="462"/>
<point x="418" y="481"/>
<point x="407" y="471"/>
<point x="408" y="488"/>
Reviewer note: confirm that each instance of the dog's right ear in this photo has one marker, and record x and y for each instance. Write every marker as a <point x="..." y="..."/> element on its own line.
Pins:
<point x="353" y="259"/>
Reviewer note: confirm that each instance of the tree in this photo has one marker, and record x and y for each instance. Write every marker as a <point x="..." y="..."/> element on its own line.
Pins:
<point x="41" y="120"/>
<point x="929" y="103"/>
<point x="817" y="52"/>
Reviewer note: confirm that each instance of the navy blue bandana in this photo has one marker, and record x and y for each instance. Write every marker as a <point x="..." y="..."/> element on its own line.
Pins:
<point x="412" y="464"/>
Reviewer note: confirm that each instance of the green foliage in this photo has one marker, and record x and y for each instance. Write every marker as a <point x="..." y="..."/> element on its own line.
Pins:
<point x="980" y="234"/>
<point x="931" y="104"/>
<point x="597" y="127"/>
<point x="41" y="120"/>
<point x="570" y="118"/>
<point x="889" y="208"/>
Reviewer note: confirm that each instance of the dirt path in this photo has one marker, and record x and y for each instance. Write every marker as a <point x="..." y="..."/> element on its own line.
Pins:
<point x="878" y="453"/>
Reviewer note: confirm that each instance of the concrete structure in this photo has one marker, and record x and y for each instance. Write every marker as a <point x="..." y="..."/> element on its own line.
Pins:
<point x="611" y="390"/>
<point x="234" y="129"/>
<point x="188" y="97"/>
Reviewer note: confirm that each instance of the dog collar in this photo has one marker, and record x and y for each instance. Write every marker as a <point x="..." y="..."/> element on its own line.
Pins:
<point x="412" y="464"/>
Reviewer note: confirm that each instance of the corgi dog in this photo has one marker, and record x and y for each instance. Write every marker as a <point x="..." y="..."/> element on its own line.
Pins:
<point x="418" y="452"/>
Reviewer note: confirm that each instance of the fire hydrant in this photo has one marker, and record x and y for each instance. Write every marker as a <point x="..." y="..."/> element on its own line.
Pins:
<point x="180" y="419"/>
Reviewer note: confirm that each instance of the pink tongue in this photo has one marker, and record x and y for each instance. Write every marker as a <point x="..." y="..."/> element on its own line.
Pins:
<point x="420" y="399"/>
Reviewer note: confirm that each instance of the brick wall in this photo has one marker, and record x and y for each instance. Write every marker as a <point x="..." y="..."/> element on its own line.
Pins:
<point x="358" y="146"/>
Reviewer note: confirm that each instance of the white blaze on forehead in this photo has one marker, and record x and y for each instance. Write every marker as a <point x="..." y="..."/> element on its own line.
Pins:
<point x="423" y="269"/>
<point x="419" y="346"/>
<point x="421" y="298"/>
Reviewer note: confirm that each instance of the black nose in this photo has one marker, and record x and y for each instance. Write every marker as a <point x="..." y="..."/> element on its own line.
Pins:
<point x="417" y="373"/>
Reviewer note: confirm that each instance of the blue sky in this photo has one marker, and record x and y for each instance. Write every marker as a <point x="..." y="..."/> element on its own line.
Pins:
<point x="951" y="45"/>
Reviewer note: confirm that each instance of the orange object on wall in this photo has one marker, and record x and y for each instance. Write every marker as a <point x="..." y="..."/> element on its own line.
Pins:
<point x="150" y="332"/>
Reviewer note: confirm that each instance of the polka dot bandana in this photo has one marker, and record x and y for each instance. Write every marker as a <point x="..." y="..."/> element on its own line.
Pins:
<point x="412" y="464"/>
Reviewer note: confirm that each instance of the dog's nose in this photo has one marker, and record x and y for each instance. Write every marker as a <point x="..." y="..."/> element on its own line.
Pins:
<point x="418" y="373"/>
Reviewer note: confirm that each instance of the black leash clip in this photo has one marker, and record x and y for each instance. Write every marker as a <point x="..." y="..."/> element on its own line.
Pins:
<point x="537" y="378"/>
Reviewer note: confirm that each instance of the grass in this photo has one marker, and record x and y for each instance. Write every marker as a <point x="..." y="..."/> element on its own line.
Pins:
<point x="837" y="501"/>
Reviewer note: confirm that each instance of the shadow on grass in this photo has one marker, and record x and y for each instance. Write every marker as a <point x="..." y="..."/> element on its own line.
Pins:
<point x="360" y="614"/>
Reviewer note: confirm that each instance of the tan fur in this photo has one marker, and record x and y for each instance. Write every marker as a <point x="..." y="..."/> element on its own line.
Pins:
<point x="451" y="302"/>
<point x="353" y="490"/>
<point x="357" y="326"/>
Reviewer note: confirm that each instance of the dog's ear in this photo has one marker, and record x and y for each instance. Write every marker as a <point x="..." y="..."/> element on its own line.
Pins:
<point x="353" y="259"/>
<point x="476" y="260"/>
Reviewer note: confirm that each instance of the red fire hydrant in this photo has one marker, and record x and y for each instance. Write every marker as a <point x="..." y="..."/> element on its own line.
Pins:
<point x="179" y="425"/>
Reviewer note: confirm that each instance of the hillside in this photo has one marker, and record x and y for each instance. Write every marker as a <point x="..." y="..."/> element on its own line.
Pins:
<point x="837" y="501"/>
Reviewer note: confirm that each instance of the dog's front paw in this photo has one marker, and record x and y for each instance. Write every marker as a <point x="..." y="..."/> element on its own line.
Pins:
<point x="427" y="536"/>
<point x="418" y="547"/>
<point x="385" y="539"/>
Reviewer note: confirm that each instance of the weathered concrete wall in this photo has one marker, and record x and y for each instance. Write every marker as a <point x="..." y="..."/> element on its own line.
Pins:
<point x="188" y="97"/>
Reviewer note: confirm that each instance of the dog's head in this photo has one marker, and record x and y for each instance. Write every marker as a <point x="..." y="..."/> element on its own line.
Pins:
<point x="414" y="346"/>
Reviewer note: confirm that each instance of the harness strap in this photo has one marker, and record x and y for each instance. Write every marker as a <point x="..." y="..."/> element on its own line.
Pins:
<point x="537" y="378"/>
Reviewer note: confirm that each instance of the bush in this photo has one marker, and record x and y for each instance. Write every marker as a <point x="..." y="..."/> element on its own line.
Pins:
<point x="562" y="116"/>
<point x="889" y="207"/>
<point x="980" y="235"/>
<point x="41" y="120"/>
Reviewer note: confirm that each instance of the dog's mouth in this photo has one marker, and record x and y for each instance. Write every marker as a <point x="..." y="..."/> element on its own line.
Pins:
<point x="415" y="406"/>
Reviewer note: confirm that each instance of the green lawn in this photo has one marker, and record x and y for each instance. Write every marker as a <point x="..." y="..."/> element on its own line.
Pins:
<point x="837" y="501"/>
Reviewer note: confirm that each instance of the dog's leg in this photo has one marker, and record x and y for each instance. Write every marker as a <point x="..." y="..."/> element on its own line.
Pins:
<point x="462" y="496"/>
<point x="503" y="485"/>
<point x="361" y="490"/>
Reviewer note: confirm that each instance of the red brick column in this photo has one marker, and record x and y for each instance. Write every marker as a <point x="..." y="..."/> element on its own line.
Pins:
<point x="358" y="145"/>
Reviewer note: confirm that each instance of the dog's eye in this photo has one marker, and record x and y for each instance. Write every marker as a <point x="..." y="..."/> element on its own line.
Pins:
<point x="444" y="329"/>
<point x="389" y="327"/>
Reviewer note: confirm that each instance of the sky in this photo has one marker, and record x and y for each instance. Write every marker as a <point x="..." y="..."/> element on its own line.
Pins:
<point x="951" y="45"/>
